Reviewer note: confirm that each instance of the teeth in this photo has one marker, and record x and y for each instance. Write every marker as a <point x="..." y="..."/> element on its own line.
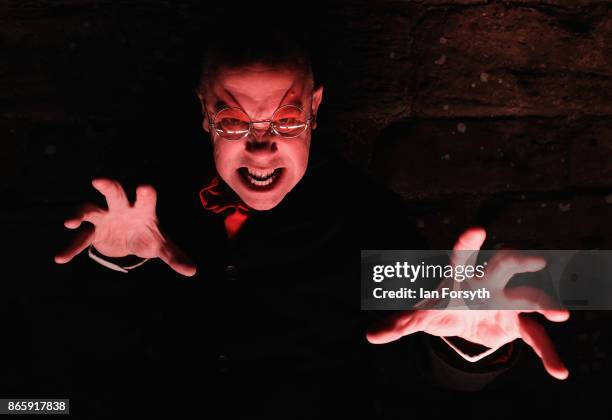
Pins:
<point x="261" y="178"/>
<point x="260" y="174"/>
<point x="260" y="183"/>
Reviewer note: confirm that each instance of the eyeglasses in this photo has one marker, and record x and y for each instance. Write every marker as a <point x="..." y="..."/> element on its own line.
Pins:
<point x="234" y="124"/>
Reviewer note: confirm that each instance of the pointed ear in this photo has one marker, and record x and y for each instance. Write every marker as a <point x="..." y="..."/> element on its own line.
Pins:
<point x="317" y="97"/>
<point x="205" y="123"/>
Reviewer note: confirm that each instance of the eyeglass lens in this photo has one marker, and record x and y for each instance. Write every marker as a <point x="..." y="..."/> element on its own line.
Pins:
<point x="234" y="124"/>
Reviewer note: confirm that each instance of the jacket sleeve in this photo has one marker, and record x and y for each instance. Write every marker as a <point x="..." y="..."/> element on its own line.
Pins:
<point x="448" y="369"/>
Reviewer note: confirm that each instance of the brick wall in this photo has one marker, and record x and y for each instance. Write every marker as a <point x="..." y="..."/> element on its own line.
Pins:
<point x="495" y="113"/>
<point x="474" y="111"/>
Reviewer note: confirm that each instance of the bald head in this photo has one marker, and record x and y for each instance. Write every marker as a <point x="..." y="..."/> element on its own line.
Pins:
<point x="269" y="48"/>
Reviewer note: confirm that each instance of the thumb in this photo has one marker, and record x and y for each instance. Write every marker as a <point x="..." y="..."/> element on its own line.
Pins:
<point x="393" y="328"/>
<point x="467" y="246"/>
<point x="177" y="260"/>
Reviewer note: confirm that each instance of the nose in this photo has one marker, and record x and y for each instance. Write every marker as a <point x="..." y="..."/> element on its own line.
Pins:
<point x="261" y="129"/>
<point x="261" y="139"/>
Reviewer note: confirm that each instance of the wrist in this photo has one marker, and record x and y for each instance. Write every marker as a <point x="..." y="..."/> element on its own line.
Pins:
<point x="468" y="350"/>
<point x="469" y="356"/>
<point x="121" y="264"/>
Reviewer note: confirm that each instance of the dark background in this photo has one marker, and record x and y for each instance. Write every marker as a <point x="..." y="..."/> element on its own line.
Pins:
<point x="476" y="112"/>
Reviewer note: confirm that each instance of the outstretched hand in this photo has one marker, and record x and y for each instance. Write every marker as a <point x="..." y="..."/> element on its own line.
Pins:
<point x="491" y="328"/>
<point x="124" y="228"/>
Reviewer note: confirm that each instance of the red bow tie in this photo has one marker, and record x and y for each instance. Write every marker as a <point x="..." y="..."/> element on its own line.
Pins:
<point x="219" y="198"/>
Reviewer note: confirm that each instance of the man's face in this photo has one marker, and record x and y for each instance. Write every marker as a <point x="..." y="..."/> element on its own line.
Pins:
<point x="262" y="167"/>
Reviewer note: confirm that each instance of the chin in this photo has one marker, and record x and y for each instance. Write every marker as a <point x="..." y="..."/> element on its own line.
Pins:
<point x="262" y="204"/>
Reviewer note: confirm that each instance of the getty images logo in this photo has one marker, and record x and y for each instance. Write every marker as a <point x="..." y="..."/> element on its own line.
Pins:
<point x="412" y="272"/>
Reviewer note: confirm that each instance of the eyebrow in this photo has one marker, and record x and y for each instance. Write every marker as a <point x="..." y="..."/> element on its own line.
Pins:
<point x="219" y="104"/>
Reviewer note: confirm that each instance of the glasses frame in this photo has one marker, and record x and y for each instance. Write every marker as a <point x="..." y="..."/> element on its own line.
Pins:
<point x="251" y="122"/>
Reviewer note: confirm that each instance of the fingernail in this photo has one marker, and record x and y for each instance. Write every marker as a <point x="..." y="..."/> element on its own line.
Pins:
<point x="97" y="182"/>
<point x="562" y="374"/>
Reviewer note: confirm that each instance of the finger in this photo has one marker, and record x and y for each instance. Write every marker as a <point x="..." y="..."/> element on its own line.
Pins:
<point x="528" y="299"/>
<point x="178" y="261"/>
<point x="113" y="192"/>
<point x="467" y="246"/>
<point x="535" y="336"/>
<point x="393" y="328"/>
<point x="555" y="315"/>
<point x="82" y="241"/>
<point x="146" y="198"/>
<point x="86" y="213"/>
<point x="506" y="264"/>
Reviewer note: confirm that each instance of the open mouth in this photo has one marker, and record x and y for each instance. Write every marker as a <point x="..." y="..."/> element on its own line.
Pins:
<point x="259" y="179"/>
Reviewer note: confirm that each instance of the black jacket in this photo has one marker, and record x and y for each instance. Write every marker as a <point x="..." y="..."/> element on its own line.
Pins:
<point x="271" y="326"/>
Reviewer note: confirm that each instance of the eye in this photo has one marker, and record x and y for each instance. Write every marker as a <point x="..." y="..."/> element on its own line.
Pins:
<point x="233" y="126"/>
<point x="290" y="124"/>
<point x="290" y="121"/>
<point x="232" y="123"/>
